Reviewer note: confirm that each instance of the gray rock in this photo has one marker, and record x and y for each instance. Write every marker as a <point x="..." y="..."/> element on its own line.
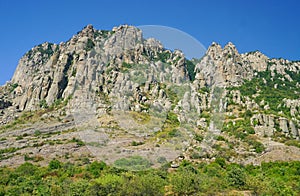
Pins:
<point x="283" y="124"/>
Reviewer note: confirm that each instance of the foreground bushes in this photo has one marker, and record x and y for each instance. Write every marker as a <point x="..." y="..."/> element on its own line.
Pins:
<point x="278" y="178"/>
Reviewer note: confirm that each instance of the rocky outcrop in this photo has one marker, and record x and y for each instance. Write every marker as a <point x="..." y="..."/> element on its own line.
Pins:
<point x="226" y="67"/>
<point x="293" y="105"/>
<point x="118" y="87"/>
<point x="4" y="104"/>
<point x="121" y="70"/>
<point x="96" y="61"/>
<point x="265" y="125"/>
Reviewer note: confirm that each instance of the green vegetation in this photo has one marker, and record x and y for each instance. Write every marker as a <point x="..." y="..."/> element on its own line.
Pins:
<point x="190" y="66"/>
<point x="135" y="143"/>
<point x="175" y="93"/>
<point x="79" y="142"/>
<point x="13" y="87"/>
<point x="89" y="45"/>
<point x="35" y="158"/>
<point x="243" y="130"/>
<point x="6" y="152"/>
<point x="96" y="178"/>
<point x="105" y="33"/>
<point x="126" y="65"/>
<point x="74" y="71"/>
<point x="47" y="51"/>
<point x="170" y="127"/>
<point x="204" y="90"/>
<point x="135" y="163"/>
<point x="34" y="116"/>
<point x="293" y="142"/>
<point x="140" y="117"/>
<point x="43" y="104"/>
<point x="198" y="137"/>
<point x="163" y="56"/>
<point x="271" y="89"/>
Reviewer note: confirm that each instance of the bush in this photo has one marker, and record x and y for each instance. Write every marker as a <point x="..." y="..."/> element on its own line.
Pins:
<point x="26" y="169"/>
<point x="258" y="146"/>
<point x="173" y="119"/>
<point x="198" y="137"/>
<point x="110" y="184"/>
<point x="133" y="163"/>
<point x="96" y="167"/>
<point x="236" y="177"/>
<point x="43" y="104"/>
<point x="272" y="178"/>
<point x="221" y="162"/>
<point x="89" y="45"/>
<point x="13" y="87"/>
<point x="247" y="114"/>
<point x="185" y="182"/>
<point x="163" y="56"/>
<point x="190" y="66"/>
<point x="174" y="133"/>
<point x="134" y="143"/>
<point x="161" y="160"/>
<point x="54" y="164"/>
<point x="126" y="65"/>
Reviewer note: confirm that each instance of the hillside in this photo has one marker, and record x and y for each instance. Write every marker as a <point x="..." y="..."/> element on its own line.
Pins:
<point x="109" y="95"/>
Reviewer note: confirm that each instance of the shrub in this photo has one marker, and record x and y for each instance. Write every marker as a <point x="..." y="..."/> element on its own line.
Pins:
<point x="190" y="66"/>
<point x="236" y="177"/>
<point x="13" y="87"/>
<point x="89" y="45"/>
<point x="198" y="137"/>
<point x="173" y="119"/>
<point x="144" y="184"/>
<point x="134" y="143"/>
<point x="185" y="182"/>
<point x="161" y="160"/>
<point x="96" y="167"/>
<point x="43" y="103"/>
<point x="37" y="133"/>
<point x="110" y="184"/>
<point x="133" y="163"/>
<point x="54" y="164"/>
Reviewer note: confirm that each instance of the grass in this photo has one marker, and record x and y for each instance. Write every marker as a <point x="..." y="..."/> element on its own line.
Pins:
<point x="140" y="117"/>
<point x="35" y="116"/>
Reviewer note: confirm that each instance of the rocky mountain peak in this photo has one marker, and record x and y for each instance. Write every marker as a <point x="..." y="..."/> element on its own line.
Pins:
<point x="122" y="88"/>
<point x="213" y="50"/>
<point x="87" y="31"/>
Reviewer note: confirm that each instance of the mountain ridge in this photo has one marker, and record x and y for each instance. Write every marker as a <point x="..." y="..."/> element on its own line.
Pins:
<point x="121" y="88"/>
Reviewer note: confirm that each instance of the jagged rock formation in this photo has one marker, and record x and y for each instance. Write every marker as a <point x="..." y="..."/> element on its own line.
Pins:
<point x="121" y="84"/>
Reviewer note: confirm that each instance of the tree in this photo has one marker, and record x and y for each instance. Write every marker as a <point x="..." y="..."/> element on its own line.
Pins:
<point x="185" y="182"/>
<point x="54" y="164"/>
<point x="144" y="184"/>
<point x="109" y="184"/>
<point x="236" y="177"/>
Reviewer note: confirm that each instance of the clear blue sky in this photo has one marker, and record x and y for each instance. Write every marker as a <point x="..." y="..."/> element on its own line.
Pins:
<point x="273" y="27"/>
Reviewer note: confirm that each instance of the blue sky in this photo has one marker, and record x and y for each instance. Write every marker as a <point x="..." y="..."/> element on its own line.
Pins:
<point x="273" y="27"/>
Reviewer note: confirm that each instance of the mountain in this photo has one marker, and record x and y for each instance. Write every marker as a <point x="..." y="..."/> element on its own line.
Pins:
<point x="110" y="95"/>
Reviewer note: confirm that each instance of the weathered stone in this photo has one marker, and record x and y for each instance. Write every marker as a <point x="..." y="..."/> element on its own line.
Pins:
<point x="283" y="124"/>
<point x="294" y="130"/>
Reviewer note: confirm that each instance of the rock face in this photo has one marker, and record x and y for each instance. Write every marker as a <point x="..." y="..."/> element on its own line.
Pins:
<point x="108" y="73"/>
<point x="265" y="124"/>
<point x="91" y="59"/>
<point x="4" y="104"/>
